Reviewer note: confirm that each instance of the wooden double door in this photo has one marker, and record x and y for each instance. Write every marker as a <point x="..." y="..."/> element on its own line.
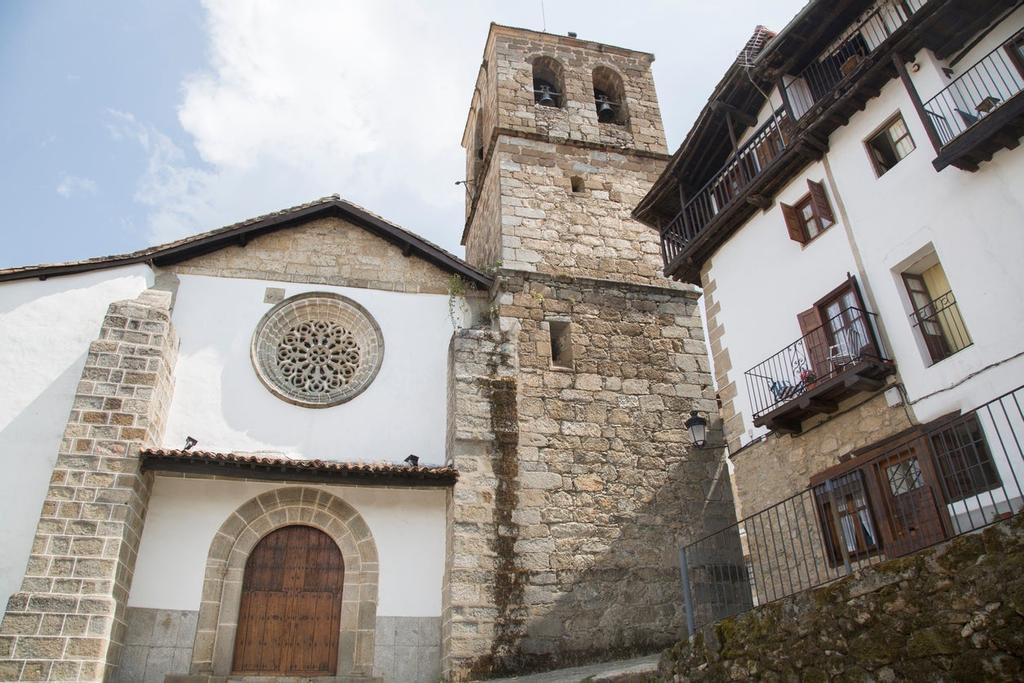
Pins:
<point x="289" y="618"/>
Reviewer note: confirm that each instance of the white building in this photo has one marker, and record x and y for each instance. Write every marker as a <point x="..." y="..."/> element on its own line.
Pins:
<point x="325" y="278"/>
<point x="850" y="200"/>
<point x="211" y="445"/>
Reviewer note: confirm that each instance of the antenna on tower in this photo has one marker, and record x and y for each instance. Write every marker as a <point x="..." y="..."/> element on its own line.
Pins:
<point x="543" y="18"/>
<point x="747" y="59"/>
<point x="748" y="55"/>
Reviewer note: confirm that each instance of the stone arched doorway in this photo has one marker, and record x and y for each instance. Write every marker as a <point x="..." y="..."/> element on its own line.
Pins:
<point x="289" y="617"/>
<point x="214" y="648"/>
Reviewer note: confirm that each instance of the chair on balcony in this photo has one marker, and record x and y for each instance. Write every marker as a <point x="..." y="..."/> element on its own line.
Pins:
<point x="783" y="391"/>
<point x="968" y="118"/>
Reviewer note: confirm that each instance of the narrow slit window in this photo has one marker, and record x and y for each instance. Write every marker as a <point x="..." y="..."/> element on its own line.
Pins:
<point x="561" y="343"/>
<point x="577" y="184"/>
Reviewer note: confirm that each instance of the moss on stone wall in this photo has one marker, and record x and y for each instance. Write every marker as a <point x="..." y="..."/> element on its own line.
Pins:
<point x="951" y="613"/>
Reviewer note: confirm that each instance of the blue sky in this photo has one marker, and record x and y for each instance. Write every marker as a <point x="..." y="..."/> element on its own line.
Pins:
<point x="128" y="123"/>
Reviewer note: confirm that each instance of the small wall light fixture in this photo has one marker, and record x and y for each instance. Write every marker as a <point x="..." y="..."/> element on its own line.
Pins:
<point x="190" y="442"/>
<point x="412" y="461"/>
<point x="698" y="426"/>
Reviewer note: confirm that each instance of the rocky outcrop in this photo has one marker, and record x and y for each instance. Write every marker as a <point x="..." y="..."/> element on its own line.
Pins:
<point x="951" y="613"/>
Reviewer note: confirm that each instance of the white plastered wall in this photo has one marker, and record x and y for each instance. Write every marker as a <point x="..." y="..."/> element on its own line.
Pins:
<point x="408" y="526"/>
<point x="219" y="400"/>
<point x="764" y="279"/>
<point x="971" y="220"/>
<point x="46" y="327"/>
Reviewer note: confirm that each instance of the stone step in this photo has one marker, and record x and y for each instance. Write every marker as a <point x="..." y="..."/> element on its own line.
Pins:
<point x="638" y="670"/>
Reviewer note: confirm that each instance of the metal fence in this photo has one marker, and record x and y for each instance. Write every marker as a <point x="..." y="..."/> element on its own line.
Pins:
<point x="940" y="327"/>
<point x="951" y="477"/>
<point x="823" y="353"/>
<point x="976" y="93"/>
<point x="841" y="60"/>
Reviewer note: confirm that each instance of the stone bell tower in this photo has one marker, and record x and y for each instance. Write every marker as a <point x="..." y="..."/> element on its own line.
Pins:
<point x="578" y="481"/>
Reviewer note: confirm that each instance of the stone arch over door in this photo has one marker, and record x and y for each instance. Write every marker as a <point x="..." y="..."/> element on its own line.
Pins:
<point x="225" y="569"/>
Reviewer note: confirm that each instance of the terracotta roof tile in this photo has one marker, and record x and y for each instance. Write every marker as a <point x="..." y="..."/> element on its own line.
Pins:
<point x="181" y="460"/>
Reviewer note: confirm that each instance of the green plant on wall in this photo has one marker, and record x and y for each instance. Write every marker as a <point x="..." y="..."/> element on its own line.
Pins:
<point x="457" y="288"/>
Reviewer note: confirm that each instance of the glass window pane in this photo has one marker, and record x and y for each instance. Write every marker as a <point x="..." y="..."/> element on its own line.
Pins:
<point x="904" y="147"/>
<point x="898" y="129"/>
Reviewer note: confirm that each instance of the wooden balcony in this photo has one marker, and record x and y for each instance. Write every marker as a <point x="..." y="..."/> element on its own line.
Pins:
<point x="982" y="111"/>
<point x="823" y="91"/>
<point x="815" y="373"/>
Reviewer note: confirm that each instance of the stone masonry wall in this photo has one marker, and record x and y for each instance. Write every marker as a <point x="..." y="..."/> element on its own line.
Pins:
<point x="951" y="613"/>
<point x="67" y="622"/>
<point x="531" y="153"/>
<point x="592" y="494"/>
<point x="327" y="251"/>
<point x="771" y="470"/>
<point x="479" y="593"/>
<point x="483" y="240"/>
<point x="725" y="374"/>
<point x="509" y="57"/>
<point x="545" y="227"/>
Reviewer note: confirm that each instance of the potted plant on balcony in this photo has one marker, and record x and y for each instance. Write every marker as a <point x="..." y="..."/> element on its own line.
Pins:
<point x="850" y="64"/>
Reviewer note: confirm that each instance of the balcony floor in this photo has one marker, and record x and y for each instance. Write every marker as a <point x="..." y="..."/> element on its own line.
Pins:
<point x="824" y="397"/>
<point x="1002" y="129"/>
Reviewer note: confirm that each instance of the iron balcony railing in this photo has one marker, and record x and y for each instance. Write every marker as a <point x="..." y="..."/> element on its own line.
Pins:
<point x="953" y="477"/>
<point x="821" y="77"/>
<point x="845" y="340"/>
<point x="976" y="93"/>
<point x="940" y="327"/>
<point x="726" y="186"/>
<point x="841" y="60"/>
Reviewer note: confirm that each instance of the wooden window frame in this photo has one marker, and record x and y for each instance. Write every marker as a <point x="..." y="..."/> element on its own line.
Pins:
<point x="819" y="336"/>
<point x="821" y="213"/>
<point x="832" y="535"/>
<point x="863" y="461"/>
<point x="936" y="345"/>
<point x="884" y="130"/>
<point x="1015" y="48"/>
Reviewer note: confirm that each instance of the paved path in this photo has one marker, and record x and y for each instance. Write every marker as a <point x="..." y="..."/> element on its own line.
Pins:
<point x="592" y="672"/>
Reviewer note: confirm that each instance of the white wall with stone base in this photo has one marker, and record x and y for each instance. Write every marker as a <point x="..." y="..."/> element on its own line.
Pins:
<point x="45" y="330"/>
<point x="407" y="525"/>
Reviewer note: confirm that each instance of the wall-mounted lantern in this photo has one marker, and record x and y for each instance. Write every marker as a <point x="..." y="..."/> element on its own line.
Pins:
<point x="698" y="426"/>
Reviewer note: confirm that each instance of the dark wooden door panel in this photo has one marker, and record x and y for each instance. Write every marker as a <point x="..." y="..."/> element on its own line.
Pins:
<point x="290" y="612"/>
<point x="907" y="485"/>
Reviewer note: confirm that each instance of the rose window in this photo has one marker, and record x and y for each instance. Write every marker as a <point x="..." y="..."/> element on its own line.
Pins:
<point x="317" y="350"/>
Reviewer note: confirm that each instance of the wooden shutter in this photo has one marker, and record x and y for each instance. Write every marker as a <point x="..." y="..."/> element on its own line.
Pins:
<point x="815" y="341"/>
<point x="820" y="200"/>
<point x="793" y="223"/>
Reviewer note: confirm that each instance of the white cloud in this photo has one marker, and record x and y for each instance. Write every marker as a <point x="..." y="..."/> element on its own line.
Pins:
<point x="76" y="186"/>
<point x="304" y="99"/>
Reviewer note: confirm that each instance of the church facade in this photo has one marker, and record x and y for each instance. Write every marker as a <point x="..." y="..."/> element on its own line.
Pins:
<point x="315" y="444"/>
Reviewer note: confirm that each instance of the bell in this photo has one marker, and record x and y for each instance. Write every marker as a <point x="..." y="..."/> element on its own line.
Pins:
<point x="605" y="110"/>
<point x="544" y="96"/>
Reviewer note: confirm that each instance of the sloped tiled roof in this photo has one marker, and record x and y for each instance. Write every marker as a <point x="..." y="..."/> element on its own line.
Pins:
<point x="239" y="233"/>
<point x="279" y="467"/>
